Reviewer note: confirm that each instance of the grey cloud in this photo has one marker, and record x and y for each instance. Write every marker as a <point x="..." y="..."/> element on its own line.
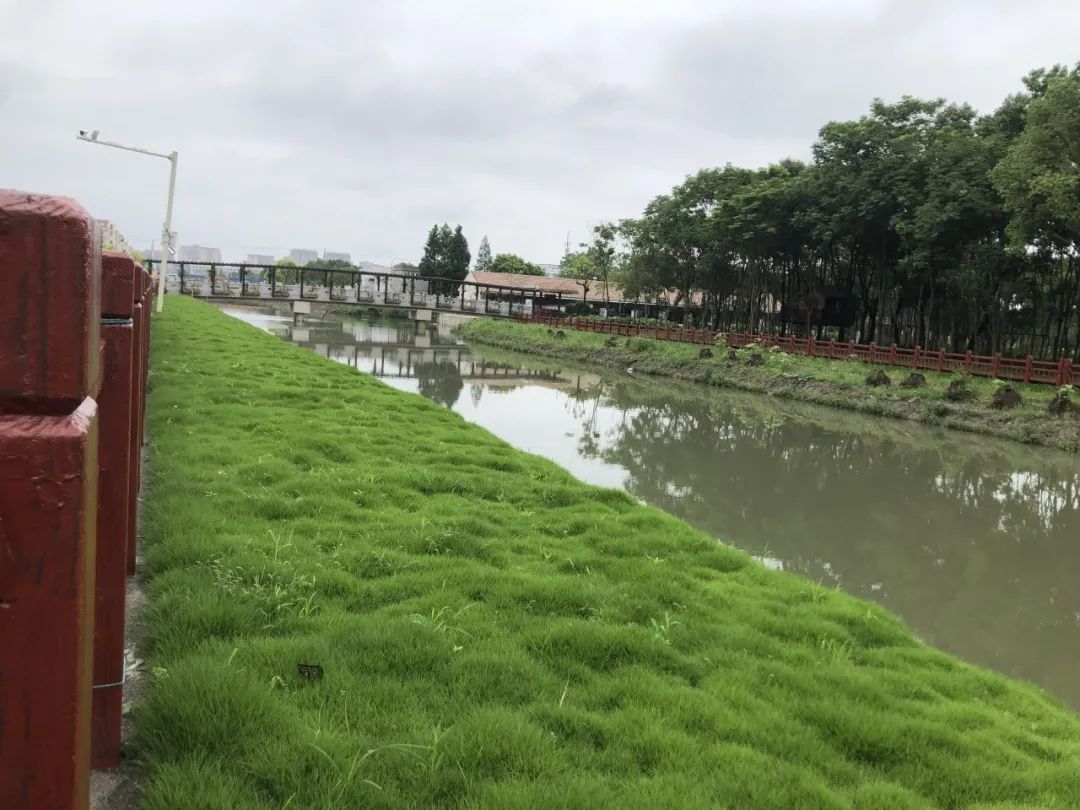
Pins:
<point x="353" y="126"/>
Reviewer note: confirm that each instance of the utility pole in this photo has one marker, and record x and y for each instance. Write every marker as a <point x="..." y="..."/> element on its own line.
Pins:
<point x="166" y="229"/>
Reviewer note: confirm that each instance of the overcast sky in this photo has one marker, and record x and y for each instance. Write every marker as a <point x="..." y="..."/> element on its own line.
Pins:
<point x="355" y="125"/>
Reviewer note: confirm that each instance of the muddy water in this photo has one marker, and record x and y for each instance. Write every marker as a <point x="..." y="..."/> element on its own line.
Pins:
<point x="974" y="542"/>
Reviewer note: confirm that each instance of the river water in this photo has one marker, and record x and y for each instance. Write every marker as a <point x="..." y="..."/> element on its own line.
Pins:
<point x="974" y="542"/>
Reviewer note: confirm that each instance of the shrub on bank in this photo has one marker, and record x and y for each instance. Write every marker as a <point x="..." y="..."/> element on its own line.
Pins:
<point x="836" y="383"/>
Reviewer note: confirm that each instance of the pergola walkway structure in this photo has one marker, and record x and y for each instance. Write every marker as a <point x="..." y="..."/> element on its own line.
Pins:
<point x="382" y="289"/>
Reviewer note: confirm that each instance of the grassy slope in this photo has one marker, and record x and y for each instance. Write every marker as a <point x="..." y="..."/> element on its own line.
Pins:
<point x="495" y="634"/>
<point x="826" y="382"/>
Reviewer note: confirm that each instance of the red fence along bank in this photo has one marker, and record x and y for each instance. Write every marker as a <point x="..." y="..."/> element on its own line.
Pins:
<point x="71" y="399"/>
<point x="1017" y="369"/>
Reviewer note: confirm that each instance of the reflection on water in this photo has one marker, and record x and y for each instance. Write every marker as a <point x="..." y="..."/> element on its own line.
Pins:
<point x="975" y="543"/>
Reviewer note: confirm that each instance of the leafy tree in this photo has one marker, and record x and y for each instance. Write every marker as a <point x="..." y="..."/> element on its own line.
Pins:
<point x="433" y="262"/>
<point x="446" y="255"/>
<point x="326" y="264"/>
<point x="1039" y="177"/>
<point x="1039" y="181"/>
<point x="329" y="264"/>
<point x="286" y="272"/>
<point x="483" y="255"/>
<point x="458" y="256"/>
<point x="512" y="263"/>
<point x="602" y="253"/>
<point x="579" y="266"/>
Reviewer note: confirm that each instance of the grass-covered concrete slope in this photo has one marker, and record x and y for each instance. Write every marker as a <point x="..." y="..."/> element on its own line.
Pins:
<point x="491" y="633"/>
<point x="837" y="383"/>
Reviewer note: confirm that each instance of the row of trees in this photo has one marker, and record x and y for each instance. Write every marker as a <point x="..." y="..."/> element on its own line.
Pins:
<point x="446" y="255"/>
<point x="923" y="222"/>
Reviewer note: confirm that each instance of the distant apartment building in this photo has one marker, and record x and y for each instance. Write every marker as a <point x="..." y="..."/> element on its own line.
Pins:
<point x="259" y="258"/>
<point x="329" y="256"/>
<point x="302" y="256"/>
<point x="199" y="253"/>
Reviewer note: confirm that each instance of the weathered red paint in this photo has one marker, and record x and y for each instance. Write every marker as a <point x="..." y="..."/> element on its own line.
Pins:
<point x="140" y="356"/>
<point x="48" y="521"/>
<point x="49" y="331"/>
<point x="138" y="352"/>
<point x="148" y="300"/>
<point x="119" y="282"/>
<point x="114" y="507"/>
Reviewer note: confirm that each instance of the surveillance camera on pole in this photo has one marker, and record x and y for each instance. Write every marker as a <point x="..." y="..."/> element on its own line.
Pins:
<point x="166" y="230"/>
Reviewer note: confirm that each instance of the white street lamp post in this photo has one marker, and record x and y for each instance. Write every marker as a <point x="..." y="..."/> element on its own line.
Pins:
<point x="166" y="231"/>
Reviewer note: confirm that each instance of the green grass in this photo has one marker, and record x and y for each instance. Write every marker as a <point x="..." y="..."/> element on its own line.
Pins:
<point x="838" y="383"/>
<point x="495" y="634"/>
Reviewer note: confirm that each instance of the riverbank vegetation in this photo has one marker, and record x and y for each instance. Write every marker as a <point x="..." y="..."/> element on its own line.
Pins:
<point x="838" y="383"/>
<point x="921" y="223"/>
<point x="357" y="599"/>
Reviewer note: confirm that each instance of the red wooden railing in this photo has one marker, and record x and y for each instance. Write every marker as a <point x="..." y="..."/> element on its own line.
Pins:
<point x="72" y="373"/>
<point x="1018" y="369"/>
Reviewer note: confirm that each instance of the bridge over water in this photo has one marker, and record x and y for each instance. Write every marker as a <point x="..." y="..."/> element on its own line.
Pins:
<point x="406" y="291"/>
<point x="395" y="349"/>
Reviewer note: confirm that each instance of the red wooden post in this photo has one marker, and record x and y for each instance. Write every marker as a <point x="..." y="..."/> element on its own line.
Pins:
<point x="810" y="347"/>
<point x="940" y="359"/>
<point x="1064" y="373"/>
<point x="147" y="303"/>
<point x="1027" y="369"/>
<point x="138" y="364"/>
<point x="870" y="355"/>
<point x="996" y="368"/>
<point x="915" y="357"/>
<point x="50" y="358"/>
<point x="892" y="354"/>
<point x="967" y="362"/>
<point x="118" y="284"/>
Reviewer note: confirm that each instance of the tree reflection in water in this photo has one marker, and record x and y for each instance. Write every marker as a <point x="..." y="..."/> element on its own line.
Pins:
<point x="977" y="549"/>
<point x="439" y="380"/>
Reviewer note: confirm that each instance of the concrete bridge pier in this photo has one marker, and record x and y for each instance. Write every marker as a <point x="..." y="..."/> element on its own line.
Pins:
<point x="452" y="320"/>
<point x="299" y="310"/>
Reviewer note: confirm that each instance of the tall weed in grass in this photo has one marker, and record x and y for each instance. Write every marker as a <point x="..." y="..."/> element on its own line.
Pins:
<point x="491" y="633"/>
